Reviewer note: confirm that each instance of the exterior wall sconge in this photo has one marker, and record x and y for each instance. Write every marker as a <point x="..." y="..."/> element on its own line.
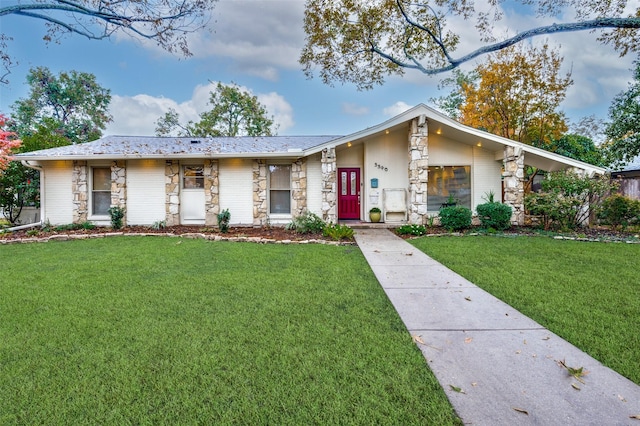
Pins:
<point x="386" y="132"/>
<point x="348" y="144"/>
<point x="439" y="131"/>
<point x="479" y="144"/>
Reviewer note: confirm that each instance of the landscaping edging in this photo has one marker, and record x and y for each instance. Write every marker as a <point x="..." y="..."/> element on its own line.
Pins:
<point x="193" y="236"/>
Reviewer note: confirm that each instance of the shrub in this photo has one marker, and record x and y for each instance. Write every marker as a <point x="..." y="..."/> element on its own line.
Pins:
<point x="307" y="223"/>
<point x="159" y="224"/>
<point x="619" y="211"/>
<point x="87" y="225"/>
<point x="338" y="232"/>
<point x="117" y="214"/>
<point x="567" y="199"/>
<point x="495" y="215"/>
<point x="412" y="230"/>
<point x="223" y="220"/>
<point x="455" y="218"/>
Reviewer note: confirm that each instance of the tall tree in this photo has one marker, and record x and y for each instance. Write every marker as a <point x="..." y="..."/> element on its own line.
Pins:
<point x="623" y="131"/>
<point x="71" y="107"/>
<point x="362" y="41"/>
<point x="167" y="22"/>
<point x="234" y="112"/>
<point x="518" y="95"/>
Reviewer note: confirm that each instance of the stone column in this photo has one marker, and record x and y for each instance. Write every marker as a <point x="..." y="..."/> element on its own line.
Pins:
<point x="259" y="193"/>
<point x="299" y="187"/>
<point x="119" y="186"/>
<point x="513" y="182"/>
<point x="211" y="192"/>
<point x="418" y="170"/>
<point x="329" y="185"/>
<point x="80" y="190"/>
<point x="172" y="192"/>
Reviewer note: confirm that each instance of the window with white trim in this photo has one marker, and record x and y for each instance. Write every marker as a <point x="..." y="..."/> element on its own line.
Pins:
<point x="279" y="189"/>
<point x="100" y="191"/>
<point x="448" y="183"/>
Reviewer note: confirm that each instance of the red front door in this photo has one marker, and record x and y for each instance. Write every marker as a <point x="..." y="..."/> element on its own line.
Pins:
<point x="349" y="193"/>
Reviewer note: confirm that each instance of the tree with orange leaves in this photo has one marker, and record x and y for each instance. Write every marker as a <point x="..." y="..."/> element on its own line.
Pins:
<point x="8" y="143"/>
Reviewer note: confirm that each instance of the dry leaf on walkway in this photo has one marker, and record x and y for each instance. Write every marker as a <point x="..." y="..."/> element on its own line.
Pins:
<point x="418" y="339"/>
<point x="637" y="417"/>
<point x="576" y="387"/>
<point x="468" y="340"/>
<point x="621" y="398"/>
<point x="468" y="298"/>
<point x="546" y="338"/>
<point x="521" y="410"/>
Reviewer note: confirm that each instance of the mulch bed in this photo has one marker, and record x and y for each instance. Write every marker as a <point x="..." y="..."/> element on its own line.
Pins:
<point x="279" y="234"/>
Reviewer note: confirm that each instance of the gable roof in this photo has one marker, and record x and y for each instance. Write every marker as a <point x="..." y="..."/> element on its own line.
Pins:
<point x="131" y="147"/>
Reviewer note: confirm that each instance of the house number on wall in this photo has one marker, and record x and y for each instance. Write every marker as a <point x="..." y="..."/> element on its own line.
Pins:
<point x="381" y="167"/>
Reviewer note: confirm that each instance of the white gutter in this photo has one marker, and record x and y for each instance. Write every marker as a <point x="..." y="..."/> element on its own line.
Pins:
<point x="42" y="198"/>
<point x="19" y="227"/>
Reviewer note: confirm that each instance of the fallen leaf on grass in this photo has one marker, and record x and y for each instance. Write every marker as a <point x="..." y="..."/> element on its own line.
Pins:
<point x="456" y="389"/>
<point x="521" y="410"/>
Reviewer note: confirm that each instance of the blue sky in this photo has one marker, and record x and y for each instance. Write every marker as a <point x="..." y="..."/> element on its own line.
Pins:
<point x="256" y="44"/>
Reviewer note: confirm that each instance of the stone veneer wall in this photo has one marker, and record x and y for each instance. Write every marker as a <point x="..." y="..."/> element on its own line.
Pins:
<point x="119" y="186"/>
<point x="259" y="192"/>
<point x="329" y="185"/>
<point x="514" y="182"/>
<point x="211" y="192"/>
<point x="299" y="187"/>
<point x="80" y="189"/>
<point x="172" y="192"/>
<point x="418" y="170"/>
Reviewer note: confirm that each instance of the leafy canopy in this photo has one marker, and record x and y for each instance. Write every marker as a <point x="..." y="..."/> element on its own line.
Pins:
<point x="234" y="112"/>
<point x="362" y="42"/>
<point x="61" y="110"/>
<point x="623" y="131"/>
<point x="166" y="22"/>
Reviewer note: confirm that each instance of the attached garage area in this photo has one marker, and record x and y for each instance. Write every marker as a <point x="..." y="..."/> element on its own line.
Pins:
<point x="145" y="192"/>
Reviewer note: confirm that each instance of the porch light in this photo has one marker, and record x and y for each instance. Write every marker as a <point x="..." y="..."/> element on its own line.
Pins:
<point x="386" y="132"/>
<point x="479" y="144"/>
<point x="439" y="131"/>
<point x="349" y="144"/>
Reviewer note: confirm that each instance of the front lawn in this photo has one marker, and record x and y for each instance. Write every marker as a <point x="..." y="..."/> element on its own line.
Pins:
<point x="153" y="330"/>
<point x="588" y="293"/>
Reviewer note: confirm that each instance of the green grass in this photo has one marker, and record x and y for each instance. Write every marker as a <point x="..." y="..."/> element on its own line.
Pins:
<point x="134" y="330"/>
<point x="588" y="293"/>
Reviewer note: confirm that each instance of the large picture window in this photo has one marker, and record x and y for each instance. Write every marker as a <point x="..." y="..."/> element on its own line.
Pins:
<point x="100" y="191"/>
<point x="448" y="183"/>
<point x="279" y="189"/>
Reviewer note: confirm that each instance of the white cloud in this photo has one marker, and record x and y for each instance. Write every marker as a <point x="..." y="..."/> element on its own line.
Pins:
<point x="395" y="109"/>
<point x="353" y="109"/>
<point x="136" y="115"/>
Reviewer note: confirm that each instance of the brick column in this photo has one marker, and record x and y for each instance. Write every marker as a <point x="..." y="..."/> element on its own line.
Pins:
<point x="329" y="185"/>
<point x="211" y="192"/>
<point x="418" y="170"/>
<point x="80" y="190"/>
<point x="172" y="192"/>
<point x="513" y="182"/>
<point x="259" y="192"/>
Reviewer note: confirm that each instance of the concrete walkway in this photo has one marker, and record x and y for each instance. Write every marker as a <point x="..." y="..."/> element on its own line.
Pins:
<point x="497" y="366"/>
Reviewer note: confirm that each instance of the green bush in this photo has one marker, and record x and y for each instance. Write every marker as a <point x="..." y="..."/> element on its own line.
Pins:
<point x="619" y="211"/>
<point x="455" y="218"/>
<point x="223" y="220"/>
<point x="338" y="232"/>
<point x="307" y="223"/>
<point x="567" y="199"/>
<point x="412" y="230"/>
<point x="117" y="214"/>
<point x="494" y="215"/>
